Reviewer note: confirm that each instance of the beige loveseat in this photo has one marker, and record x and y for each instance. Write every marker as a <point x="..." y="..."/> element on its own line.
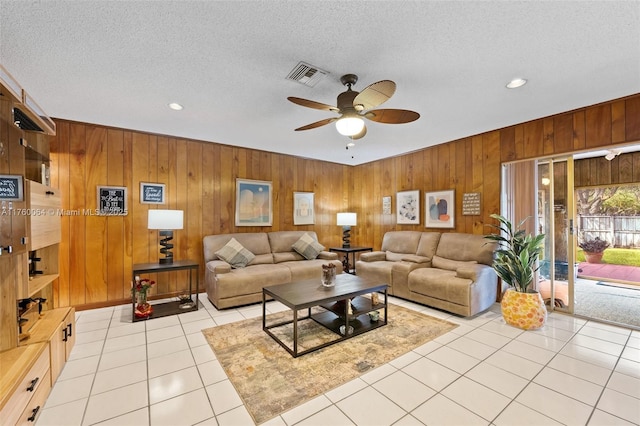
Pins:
<point x="274" y="262"/>
<point x="449" y="271"/>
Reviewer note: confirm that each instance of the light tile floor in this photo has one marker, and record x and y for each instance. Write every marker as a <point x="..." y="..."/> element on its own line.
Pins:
<point x="484" y="372"/>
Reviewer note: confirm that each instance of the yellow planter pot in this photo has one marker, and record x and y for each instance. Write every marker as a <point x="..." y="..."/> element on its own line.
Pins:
<point x="523" y="310"/>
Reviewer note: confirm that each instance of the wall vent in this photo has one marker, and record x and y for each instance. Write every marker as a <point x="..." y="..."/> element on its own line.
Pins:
<point x="306" y="74"/>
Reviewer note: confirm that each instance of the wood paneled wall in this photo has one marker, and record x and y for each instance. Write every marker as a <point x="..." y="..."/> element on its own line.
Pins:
<point x="96" y="253"/>
<point x="473" y="165"/>
<point x="623" y="169"/>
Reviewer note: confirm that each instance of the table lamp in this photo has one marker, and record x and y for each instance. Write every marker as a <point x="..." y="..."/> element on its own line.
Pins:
<point x="166" y="221"/>
<point x="346" y="220"/>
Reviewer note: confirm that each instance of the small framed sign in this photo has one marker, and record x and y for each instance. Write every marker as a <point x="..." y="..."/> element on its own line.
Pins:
<point x="151" y="193"/>
<point x="386" y="204"/>
<point x="112" y="200"/>
<point x="471" y="204"/>
<point x="11" y="188"/>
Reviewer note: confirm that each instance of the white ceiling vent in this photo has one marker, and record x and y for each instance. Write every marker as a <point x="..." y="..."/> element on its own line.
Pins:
<point x="306" y="74"/>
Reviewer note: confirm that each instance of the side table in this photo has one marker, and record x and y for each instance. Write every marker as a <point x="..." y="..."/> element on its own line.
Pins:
<point x="346" y="265"/>
<point x="173" y="307"/>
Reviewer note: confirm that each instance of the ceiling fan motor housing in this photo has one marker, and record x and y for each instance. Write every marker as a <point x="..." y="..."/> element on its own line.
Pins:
<point x="345" y="101"/>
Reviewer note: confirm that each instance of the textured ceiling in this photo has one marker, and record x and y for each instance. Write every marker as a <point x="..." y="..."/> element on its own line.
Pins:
<point x="120" y="63"/>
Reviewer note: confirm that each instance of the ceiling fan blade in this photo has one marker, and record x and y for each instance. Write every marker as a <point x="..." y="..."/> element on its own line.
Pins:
<point x="374" y="94"/>
<point x="392" y="116"/>
<point x="317" y="124"/>
<point x="312" y="104"/>
<point x="359" y="135"/>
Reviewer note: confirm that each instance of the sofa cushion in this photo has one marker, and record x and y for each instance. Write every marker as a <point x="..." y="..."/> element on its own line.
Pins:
<point x="415" y="258"/>
<point x="457" y="246"/>
<point x="374" y="256"/>
<point x="440" y="284"/>
<point x="401" y="241"/>
<point x="395" y="257"/>
<point x="428" y="244"/>
<point x="261" y="259"/>
<point x="287" y="256"/>
<point x="450" y="265"/>
<point x="235" y="254"/>
<point x="309" y="269"/>
<point x="245" y="281"/>
<point x="281" y="241"/>
<point x="256" y="242"/>
<point x="308" y="247"/>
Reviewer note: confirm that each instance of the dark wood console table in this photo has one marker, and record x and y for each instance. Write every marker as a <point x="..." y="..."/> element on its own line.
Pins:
<point x="173" y="307"/>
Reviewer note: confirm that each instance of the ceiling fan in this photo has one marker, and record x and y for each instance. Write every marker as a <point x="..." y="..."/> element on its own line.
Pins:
<point x="353" y="106"/>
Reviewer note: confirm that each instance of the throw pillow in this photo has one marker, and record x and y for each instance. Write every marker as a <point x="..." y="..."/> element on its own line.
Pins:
<point x="235" y="254"/>
<point x="308" y="247"/>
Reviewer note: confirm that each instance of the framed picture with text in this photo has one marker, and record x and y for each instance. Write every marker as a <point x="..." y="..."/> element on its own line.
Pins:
<point x="112" y="200"/>
<point x="11" y="188"/>
<point x="152" y="193"/>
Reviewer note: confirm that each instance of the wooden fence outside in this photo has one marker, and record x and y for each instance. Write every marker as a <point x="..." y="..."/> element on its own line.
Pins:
<point x="619" y="231"/>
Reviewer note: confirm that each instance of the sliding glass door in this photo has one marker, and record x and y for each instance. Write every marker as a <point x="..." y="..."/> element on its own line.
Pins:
<point x="556" y="219"/>
<point x="542" y="190"/>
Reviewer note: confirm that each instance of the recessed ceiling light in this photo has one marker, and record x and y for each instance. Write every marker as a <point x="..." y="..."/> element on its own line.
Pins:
<point x="175" y="106"/>
<point x="516" y="82"/>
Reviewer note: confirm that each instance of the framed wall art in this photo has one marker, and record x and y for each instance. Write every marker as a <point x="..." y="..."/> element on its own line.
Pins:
<point x="408" y="207"/>
<point x="152" y="193"/>
<point x="440" y="209"/>
<point x="112" y="200"/>
<point x="253" y="203"/>
<point x="386" y="205"/>
<point x="303" y="213"/>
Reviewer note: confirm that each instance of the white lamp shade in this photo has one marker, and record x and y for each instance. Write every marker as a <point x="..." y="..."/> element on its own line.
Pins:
<point x="350" y="126"/>
<point x="165" y="219"/>
<point x="346" y="219"/>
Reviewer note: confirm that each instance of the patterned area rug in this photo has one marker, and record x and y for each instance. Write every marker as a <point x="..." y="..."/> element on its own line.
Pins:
<point x="270" y="381"/>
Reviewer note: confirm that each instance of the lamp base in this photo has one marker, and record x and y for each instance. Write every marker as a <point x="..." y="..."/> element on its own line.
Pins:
<point x="346" y="237"/>
<point x="166" y="247"/>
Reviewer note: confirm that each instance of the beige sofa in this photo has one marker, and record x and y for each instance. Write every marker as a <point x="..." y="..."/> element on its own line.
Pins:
<point x="449" y="271"/>
<point x="275" y="262"/>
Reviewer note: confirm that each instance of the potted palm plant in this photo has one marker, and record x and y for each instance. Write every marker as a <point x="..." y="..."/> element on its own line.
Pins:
<point x="594" y="249"/>
<point x="515" y="262"/>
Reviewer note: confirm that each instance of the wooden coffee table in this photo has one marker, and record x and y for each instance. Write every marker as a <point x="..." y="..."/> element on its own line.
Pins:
<point x="334" y="314"/>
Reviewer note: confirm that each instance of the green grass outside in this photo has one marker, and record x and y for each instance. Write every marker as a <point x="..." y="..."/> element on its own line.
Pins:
<point x="616" y="256"/>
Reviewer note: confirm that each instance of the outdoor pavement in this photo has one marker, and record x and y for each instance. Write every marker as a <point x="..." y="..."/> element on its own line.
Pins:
<point x="608" y="271"/>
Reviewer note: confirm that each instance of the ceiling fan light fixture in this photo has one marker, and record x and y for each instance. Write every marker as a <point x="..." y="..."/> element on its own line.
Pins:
<point x="516" y="82"/>
<point x="349" y="126"/>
